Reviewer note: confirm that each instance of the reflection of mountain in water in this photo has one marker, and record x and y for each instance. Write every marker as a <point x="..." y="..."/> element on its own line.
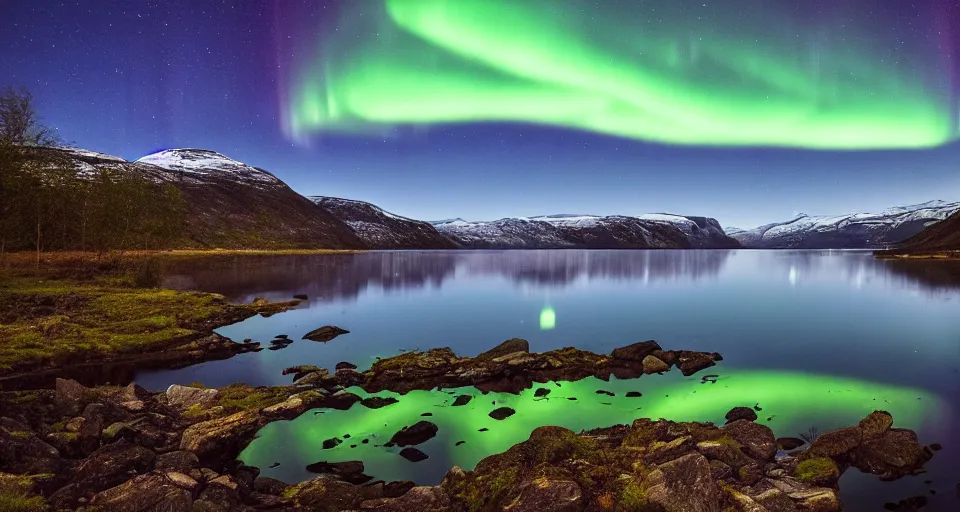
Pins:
<point x="930" y="275"/>
<point x="344" y="276"/>
<point x="322" y="277"/>
<point x="564" y="267"/>
<point x="862" y="268"/>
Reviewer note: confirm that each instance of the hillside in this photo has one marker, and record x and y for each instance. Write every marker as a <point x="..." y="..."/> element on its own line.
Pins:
<point x="230" y="204"/>
<point x="851" y="231"/>
<point x="380" y="229"/>
<point x="942" y="236"/>
<point x="587" y="232"/>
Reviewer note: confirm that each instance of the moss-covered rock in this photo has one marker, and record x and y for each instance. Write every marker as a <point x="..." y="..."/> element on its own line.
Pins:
<point x="819" y="471"/>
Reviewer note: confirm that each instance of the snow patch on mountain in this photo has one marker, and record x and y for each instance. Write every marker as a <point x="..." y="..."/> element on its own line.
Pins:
<point x="381" y="229"/>
<point x="207" y="163"/>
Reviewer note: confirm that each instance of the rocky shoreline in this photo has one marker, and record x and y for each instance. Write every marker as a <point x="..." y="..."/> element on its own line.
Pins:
<point x="129" y="449"/>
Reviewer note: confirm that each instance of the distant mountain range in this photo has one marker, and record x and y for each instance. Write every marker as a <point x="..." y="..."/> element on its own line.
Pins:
<point x="566" y="231"/>
<point x="942" y="236"/>
<point x="380" y="229"/>
<point x="851" y="231"/>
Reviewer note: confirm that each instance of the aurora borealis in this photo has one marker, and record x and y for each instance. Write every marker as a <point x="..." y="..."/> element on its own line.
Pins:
<point x="687" y="73"/>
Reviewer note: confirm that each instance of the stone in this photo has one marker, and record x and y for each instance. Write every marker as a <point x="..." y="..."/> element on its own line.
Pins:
<point x="351" y="471"/>
<point x="23" y="452"/>
<point x="835" y="444"/>
<point x="510" y="346"/>
<point x="690" y="363"/>
<point x="333" y="442"/>
<point x="376" y="402"/>
<point x="790" y="443"/>
<point x="462" y="400"/>
<point x="267" y="485"/>
<point x="757" y="439"/>
<point x="74" y="424"/>
<point x="633" y="394"/>
<point x="343" y="365"/>
<point x="217" y="437"/>
<point x="652" y="364"/>
<point x="112" y="465"/>
<point x="605" y="392"/>
<point x="144" y="493"/>
<point x="221" y="494"/>
<point x="502" y="413"/>
<point x="183" y="481"/>
<point x="417" y="499"/>
<point x="893" y="454"/>
<point x="636" y="352"/>
<point x="133" y="405"/>
<point x="818" y="499"/>
<point x="418" y="433"/>
<point x="325" y="494"/>
<point x="547" y="494"/>
<point x="397" y="488"/>
<point x="70" y="396"/>
<point x="660" y="452"/>
<point x="179" y="461"/>
<point x="775" y="500"/>
<point x="186" y="397"/>
<point x="325" y="333"/>
<point x="682" y="485"/>
<point x="741" y="413"/>
<point x="876" y="424"/>
<point x="541" y="392"/>
<point x="413" y="454"/>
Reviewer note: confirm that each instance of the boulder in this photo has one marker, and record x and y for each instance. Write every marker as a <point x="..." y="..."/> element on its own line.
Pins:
<point x="417" y="499"/>
<point x="418" y="433"/>
<point x="690" y="363"/>
<point x="547" y="494"/>
<point x="741" y="413"/>
<point x="682" y="485"/>
<point x="221" y="437"/>
<point x="23" y="452"/>
<point x="836" y="444"/>
<point x="876" y="424"/>
<point x="325" y="333"/>
<point x="893" y="454"/>
<point x="541" y="392"/>
<point x="462" y="400"/>
<point x="267" y="485"/>
<point x="219" y="494"/>
<point x="397" y="488"/>
<point x="179" y="461"/>
<point x="652" y="364"/>
<point x="413" y="454"/>
<point x="351" y="471"/>
<point x="112" y="465"/>
<point x="185" y="396"/>
<point x="343" y="365"/>
<point x="757" y="439"/>
<point x="183" y="481"/>
<point x="376" y="402"/>
<point x="145" y="493"/>
<point x="70" y="396"/>
<point x="325" y="494"/>
<point x="636" y="352"/>
<point x="502" y="413"/>
<point x="510" y="346"/>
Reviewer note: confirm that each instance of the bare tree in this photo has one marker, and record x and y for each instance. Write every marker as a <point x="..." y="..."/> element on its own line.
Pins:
<point x="19" y="123"/>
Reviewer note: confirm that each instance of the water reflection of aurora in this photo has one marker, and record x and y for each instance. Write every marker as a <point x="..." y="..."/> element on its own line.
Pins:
<point x="790" y="403"/>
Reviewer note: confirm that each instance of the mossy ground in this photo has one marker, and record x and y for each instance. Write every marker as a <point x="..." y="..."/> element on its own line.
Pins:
<point x="817" y="471"/>
<point x="16" y="495"/>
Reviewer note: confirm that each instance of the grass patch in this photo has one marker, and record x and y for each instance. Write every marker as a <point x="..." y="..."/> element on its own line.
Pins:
<point x="16" y="495"/>
<point x="240" y="397"/>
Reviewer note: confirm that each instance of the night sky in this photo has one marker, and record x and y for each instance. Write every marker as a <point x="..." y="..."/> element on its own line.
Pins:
<point x="743" y="110"/>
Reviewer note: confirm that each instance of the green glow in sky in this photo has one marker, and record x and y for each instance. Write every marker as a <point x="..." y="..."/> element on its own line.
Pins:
<point x="548" y="319"/>
<point x="669" y="72"/>
<point x="793" y="401"/>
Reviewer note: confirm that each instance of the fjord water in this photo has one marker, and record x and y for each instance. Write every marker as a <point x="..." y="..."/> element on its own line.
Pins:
<point x="812" y="338"/>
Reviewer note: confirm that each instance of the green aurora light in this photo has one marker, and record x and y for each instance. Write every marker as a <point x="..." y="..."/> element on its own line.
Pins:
<point x="548" y="318"/>
<point x="793" y="402"/>
<point x="649" y="70"/>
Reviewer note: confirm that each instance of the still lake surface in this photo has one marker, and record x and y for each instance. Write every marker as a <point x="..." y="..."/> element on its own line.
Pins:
<point x="813" y="338"/>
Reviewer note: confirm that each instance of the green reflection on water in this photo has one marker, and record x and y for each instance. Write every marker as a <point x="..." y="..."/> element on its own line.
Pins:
<point x="790" y="403"/>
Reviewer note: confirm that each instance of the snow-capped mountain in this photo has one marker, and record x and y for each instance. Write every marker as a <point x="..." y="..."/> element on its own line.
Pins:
<point x="381" y="229"/>
<point x="566" y="231"/>
<point x="850" y="231"/>
<point x="229" y="204"/>
<point x="196" y="165"/>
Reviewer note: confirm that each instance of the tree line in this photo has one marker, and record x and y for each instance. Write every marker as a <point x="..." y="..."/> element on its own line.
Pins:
<point x="50" y="201"/>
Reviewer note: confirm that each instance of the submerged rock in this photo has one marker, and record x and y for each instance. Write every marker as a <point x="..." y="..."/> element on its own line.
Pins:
<point x="502" y="413"/>
<point x="462" y="400"/>
<point x="377" y="402"/>
<point x="325" y="333"/>
<point x="541" y="392"/>
<point x="419" y="432"/>
<point x="413" y="454"/>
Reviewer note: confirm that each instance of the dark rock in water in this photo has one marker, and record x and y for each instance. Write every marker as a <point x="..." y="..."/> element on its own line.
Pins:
<point x="274" y="465"/>
<point x="281" y="341"/>
<point x="343" y="365"/>
<point x="325" y="333"/>
<point x="484" y="429"/>
<point x="502" y="413"/>
<point x="417" y="433"/>
<point x="605" y="392"/>
<point x="365" y="441"/>
<point x="282" y="337"/>
<point x="462" y="400"/>
<point x="690" y="363"/>
<point x="913" y="504"/>
<point x="789" y="443"/>
<point x="346" y="436"/>
<point x="636" y="352"/>
<point x="427" y="414"/>
<point x="458" y="443"/>
<point x="333" y="442"/>
<point x="757" y="407"/>
<point x="741" y="413"/>
<point x="936" y="447"/>
<point x="397" y="488"/>
<point x="541" y="392"/>
<point x="571" y="398"/>
<point x="507" y="347"/>
<point x="301" y="296"/>
<point x="376" y="402"/>
<point x="413" y="454"/>
<point x="633" y="394"/>
<point x="278" y="347"/>
<point x="351" y="471"/>
<point x="712" y="379"/>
